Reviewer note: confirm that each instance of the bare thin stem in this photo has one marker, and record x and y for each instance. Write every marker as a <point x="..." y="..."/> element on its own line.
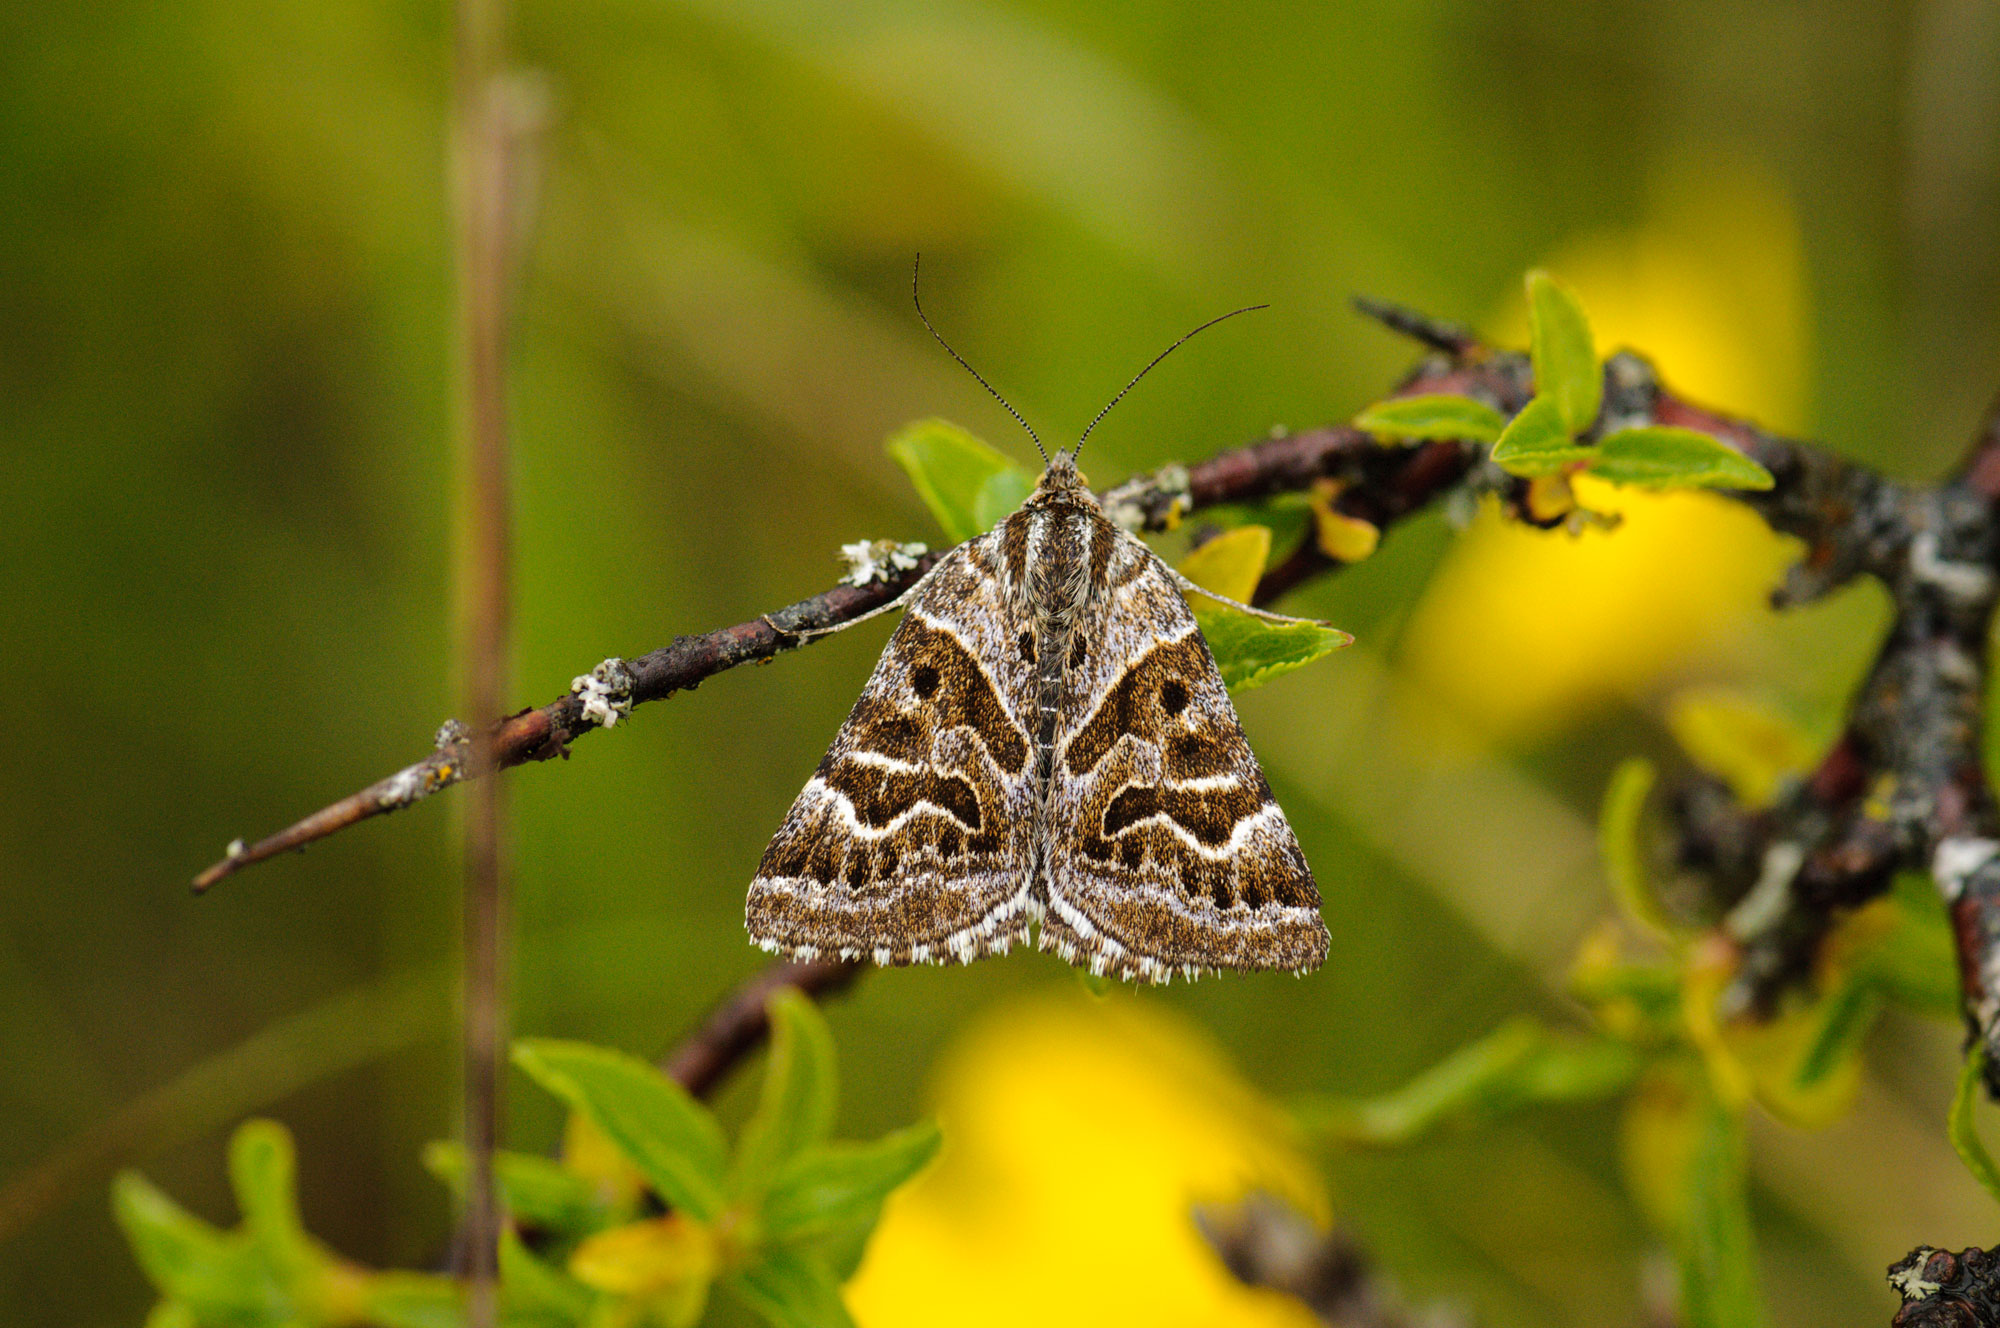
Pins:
<point x="482" y="141"/>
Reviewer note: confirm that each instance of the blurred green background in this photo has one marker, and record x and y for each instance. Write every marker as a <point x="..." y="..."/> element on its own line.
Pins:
<point x="224" y="372"/>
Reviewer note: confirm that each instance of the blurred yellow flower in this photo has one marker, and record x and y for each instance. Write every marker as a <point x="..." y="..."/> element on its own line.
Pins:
<point x="1077" y="1134"/>
<point x="1521" y="627"/>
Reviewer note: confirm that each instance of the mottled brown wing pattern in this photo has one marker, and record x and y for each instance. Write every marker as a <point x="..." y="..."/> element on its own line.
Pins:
<point x="910" y="843"/>
<point x="1165" y="852"/>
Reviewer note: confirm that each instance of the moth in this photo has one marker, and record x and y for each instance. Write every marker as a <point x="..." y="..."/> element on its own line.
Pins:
<point x="1044" y="744"/>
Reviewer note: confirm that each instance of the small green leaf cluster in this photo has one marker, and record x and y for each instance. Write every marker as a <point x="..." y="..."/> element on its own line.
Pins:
<point x="970" y="487"/>
<point x="647" y="1212"/>
<point x="1555" y="433"/>
<point x="1685" y="1075"/>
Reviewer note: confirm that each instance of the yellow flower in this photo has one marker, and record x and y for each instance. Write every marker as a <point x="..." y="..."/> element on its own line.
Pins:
<point x="1078" y="1134"/>
<point x="1521" y="628"/>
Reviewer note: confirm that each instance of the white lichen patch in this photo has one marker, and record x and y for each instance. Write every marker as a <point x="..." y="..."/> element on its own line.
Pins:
<point x="1967" y="583"/>
<point x="1909" y="1280"/>
<point x="869" y="561"/>
<point x="606" y="692"/>
<point x="1956" y="859"/>
<point x="1126" y="505"/>
<point x="450" y="733"/>
<point x="1766" y="901"/>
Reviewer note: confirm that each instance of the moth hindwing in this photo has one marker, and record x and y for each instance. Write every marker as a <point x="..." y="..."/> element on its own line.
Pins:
<point x="1044" y="741"/>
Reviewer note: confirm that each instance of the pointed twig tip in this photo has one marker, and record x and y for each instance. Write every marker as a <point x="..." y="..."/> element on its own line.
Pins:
<point x="1439" y="335"/>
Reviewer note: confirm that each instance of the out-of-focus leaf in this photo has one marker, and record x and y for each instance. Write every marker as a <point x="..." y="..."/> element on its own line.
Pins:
<point x="1715" y="1246"/>
<point x="171" y="1314"/>
<point x="796" y="1109"/>
<point x="670" y="1137"/>
<point x="668" y="1262"/>
<point x="1683" y="1155"/>
<point x="1003" y="491"/>
<point x="836" y="1184"/>
<point x="1618" y="826"/>
<point x="1250" y="652"/>
<point x="535" y="1294"/>
<point x="1565" y="357"/>
<point x="1550" y="497"/>
<point x="1664" y="457"/>
<point x="841" y="1249"/>
<point x="959" y="477"/>
<point x="1436" y="416"/>
<point x="1964" y="1130"/>
<point x="1917" y="963"/>
<point x="1231" y="564"/>
<point x="1744" y="745"/>
<point x="1537" y="442"/>
<point x="1518" y="1063"/>
<point x="1344" y="538"/>
<point x="538" y="1190"/>
<point x="790" y="1289"/>
<point x="218" y="1276"/>
<point x="1639" y="1001"/>
<point x="413" y="1300"/>
<point x="262" y="1170"/>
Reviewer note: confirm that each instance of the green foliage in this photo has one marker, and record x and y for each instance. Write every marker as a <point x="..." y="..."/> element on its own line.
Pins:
<point x="1537" y="442"/>
<point x="1565" y="358"/>
<point x="670" y="1137"/>
<point x="1551" y="433"/>
<point x="778" y="1224"/>
<point x="268" y="1271"/>
<point x="1433" y="416"/>
<point x="1662" y="457"/>
<point x="1518" y="1064"/>
<point x="1963" y="1129"/>
<point x="969" y="485"/>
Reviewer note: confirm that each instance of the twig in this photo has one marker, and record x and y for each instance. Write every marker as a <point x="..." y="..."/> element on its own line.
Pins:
<point x="739" y="1024"/>
<point x="1264" y="1242"/>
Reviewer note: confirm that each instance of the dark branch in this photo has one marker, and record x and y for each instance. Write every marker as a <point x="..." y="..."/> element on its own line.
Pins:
<point x="740" y="1025"/>
<point x="1267" y="1243"/>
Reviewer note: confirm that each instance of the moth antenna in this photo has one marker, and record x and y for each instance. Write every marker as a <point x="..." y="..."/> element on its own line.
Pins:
<point x="1246" y="309"/>
<point x="917" y="299"/>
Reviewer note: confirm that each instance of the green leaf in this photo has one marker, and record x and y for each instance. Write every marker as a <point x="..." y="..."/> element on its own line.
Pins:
<point x="538" y="1190"/>
<point x="172" y="1314"/>
<point x="964" y="481"/>
<point x="839" y="1183"/>
<point x="1564" y="356"/>
<point x="1250" y="652"/>
<point x="534" y="1293"/>
<point x="1536" y="442"/>
<point x="672" y="1139"/>
<point x="1002" y="492"/>
<point x="1716" y="1248"/>
<point x="796" y="1109"/>
<point x="1964" y="1130"/>
<point x="1434" y="416"/>
<point x="1842" y="1019"/>
<point x="414" y="1300"/>
<point x="1518" y="1063"/>
<point x="1917" y="964"/>
<point x="791" y="1289"/>
<point x="219" y="1277"/>
<point x="842" y="1248"/>
<point x="1618" y="844"/>
<point x="1663" y="457"/>
<point x="263" y="1172"/>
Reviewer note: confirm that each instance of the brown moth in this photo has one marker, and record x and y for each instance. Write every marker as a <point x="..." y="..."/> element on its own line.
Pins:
<point x="1045" y="740"/>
